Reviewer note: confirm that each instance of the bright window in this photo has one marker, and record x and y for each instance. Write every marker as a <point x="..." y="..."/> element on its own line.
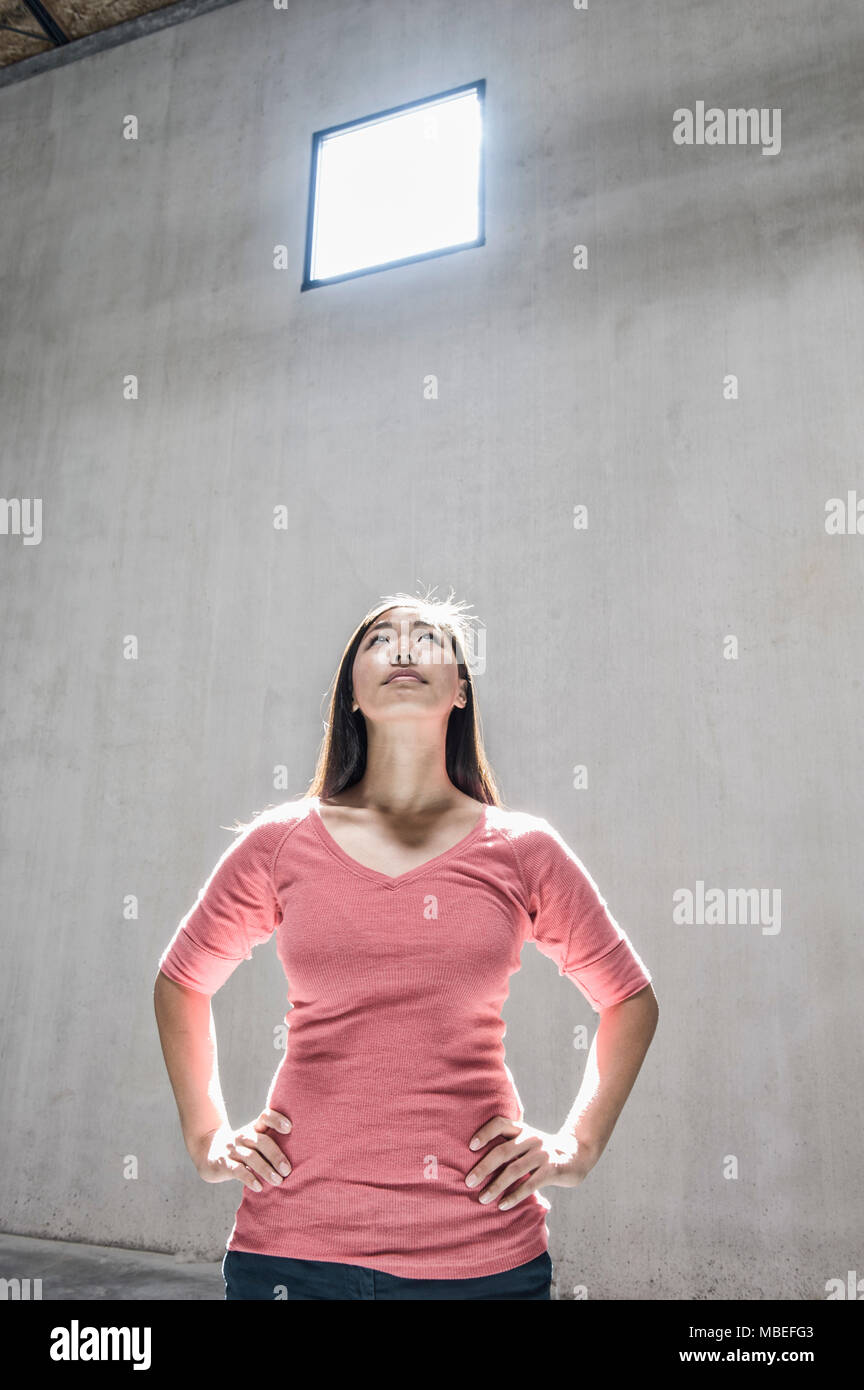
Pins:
<point x="397" y="186"/>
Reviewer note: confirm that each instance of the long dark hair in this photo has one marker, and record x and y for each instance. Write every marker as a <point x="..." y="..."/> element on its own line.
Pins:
<point x="342" y="756"/>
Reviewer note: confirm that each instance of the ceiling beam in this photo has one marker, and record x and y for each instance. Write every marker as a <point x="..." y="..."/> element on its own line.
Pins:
<point x="138" y="27"/>
<point x="48" y="22"/>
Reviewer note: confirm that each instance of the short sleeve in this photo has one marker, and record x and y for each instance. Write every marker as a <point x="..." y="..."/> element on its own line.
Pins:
<point x="235" y="910"/>
<point x="571" y="922"/>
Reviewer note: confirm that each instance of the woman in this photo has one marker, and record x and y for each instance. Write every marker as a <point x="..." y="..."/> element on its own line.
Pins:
<point x="391" y="1160"/>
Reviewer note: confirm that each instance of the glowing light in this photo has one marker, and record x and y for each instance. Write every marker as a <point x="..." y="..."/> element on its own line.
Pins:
<point x="398" y="186"/>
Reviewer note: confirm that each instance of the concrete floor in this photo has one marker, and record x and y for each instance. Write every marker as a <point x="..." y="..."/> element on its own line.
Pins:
<point x="71" y="1271"/>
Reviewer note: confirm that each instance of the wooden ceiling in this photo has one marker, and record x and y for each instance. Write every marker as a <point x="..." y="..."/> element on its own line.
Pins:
<point x="27" y="29"/>
<point x="36" y="34"/>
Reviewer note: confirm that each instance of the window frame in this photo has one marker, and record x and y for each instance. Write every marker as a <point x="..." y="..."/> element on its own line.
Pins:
<point x="320" y="135"/>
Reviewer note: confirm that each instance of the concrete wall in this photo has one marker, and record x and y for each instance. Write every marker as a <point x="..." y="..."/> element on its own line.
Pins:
<point x="607" y="647"/>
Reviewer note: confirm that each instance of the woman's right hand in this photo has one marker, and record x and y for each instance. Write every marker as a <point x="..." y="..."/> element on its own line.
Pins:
<point x="247" y="1153"/>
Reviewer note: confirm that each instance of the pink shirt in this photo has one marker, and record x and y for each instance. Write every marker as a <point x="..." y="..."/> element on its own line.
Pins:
<point x="395" y="1053"/>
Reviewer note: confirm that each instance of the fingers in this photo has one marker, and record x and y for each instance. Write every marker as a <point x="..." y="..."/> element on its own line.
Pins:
<point x="511" y="1157"/>
<point x="248" y="1151"/>
<point x="268" y="1149"/>
<point x="237" y="1168"/>
<point x="502" y="1153"/>
<point x="499" y="1124"/>
<point x="515" y="1170"/>
<point x="517" y="1195"/>
<point x="259" y="1152"/>
<point x="273" y="1119"/>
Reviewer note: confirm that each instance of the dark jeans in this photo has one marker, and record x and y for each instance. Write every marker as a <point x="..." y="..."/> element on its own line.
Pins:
<point x="274" y="1277"/>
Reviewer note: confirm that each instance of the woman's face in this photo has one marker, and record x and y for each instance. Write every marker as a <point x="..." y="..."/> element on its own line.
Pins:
<point x="398" y="642"/>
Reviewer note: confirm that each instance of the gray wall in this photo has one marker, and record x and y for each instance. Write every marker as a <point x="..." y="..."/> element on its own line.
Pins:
<point x="605" y="646"/>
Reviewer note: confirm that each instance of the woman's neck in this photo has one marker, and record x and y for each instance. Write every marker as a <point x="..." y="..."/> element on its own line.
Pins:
<point x="402" y="779"/>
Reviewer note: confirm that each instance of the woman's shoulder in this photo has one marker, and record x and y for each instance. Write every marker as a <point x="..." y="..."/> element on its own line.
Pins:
<point x="523" y="829"/>
<point x="517" y="822"/>
<point x="275" y="819"/>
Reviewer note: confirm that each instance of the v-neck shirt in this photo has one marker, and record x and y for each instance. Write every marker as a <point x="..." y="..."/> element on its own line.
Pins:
<point x="394" y="1053"/>
<point x="389" y="880"/>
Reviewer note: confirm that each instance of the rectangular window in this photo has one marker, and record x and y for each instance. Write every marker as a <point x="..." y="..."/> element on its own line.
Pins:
<point x="398" y="186"/>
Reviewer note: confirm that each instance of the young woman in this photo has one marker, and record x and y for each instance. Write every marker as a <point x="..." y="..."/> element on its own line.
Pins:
<point x="391" y="1159"/>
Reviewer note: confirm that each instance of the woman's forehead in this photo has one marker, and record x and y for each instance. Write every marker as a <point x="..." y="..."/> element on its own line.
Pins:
<point x="395" y="617"/>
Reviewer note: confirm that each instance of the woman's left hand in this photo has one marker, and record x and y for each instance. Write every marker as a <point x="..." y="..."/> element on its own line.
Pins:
<point x="544" y="1160"/>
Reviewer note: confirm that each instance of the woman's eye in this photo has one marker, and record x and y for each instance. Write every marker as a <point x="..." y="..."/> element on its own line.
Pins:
<point x="383" y="635"/>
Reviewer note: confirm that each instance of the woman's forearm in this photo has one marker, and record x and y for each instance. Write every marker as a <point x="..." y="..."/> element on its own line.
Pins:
<point x="623" y="1037"/>
<point x="187" y="1033"/>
